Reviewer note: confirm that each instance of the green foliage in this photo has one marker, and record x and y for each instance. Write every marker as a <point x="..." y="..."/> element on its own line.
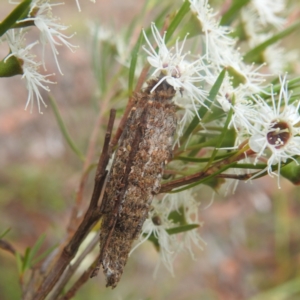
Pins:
<point x="233" y="12"/>
<point x="20" y="12"/>
<point x="201" y="146"/>
<point x="254" y="55"/>
<point x="64" y="130"/>
<point x="30" y="258"/>
<point x="224" y="133"/>
<point x="292" y="172"/>
<point x="133" y="62"/>
<point x="289" y="290"/>
<point x="10" y="67"/>
<point x="178" y="218"/>
<point x="184" y="9"/>
<point x="4" y="233"/>
<point x="202" y="111"/>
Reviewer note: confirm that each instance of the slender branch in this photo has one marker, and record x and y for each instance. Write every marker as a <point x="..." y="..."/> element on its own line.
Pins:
<point x="80" y="281"/>
<point x="92" y="215"/>
<point x="89" y="156"/>
<point x="72" y="268"/>
<point x="7" y="247"/>
<point x="242" y="177"/>
<point x="169" y="186"/>
<point x="27" y="293"/>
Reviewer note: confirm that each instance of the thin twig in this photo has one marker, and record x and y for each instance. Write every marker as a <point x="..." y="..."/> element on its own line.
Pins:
<point x="28" y="291"/>
<point x="80" y="281"/>
<point x="7" y="247"/>
<point x="242" y="177"/>
<point x="89" y="157"/>
<point x="92" y="215"/>
<point x="169" y="186"/>
<point x="72" y="268"/>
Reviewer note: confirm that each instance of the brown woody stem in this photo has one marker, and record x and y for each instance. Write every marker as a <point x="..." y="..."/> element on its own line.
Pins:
<point x="92" y="215"/>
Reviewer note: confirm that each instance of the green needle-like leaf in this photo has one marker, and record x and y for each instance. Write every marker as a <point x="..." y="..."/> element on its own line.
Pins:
<point x="232" y="165"/>
<point x="64" y="130"/>
<point x="287" y="290"/>
<point x="19" y="263"/>
<point x="18" y="13"/>
<point x="253" y="54"/>
<point x="26" y="262"/>
<point x="225" y="130"/>
<point x="36" y="247"/>
<point x="233" y="12"/>
<point x="212" y="94"/>
<point x="152" y="238"/>
<point x="192" y="26"/>
<point x="250" y="166"/>
<point x="201" y="160"/>
<point x="134" y="57"/>
<point x="43" y="255"/>
<point x="4" y="233"/>
<point x="185" y="8"/>
<point x="182" y="228"/>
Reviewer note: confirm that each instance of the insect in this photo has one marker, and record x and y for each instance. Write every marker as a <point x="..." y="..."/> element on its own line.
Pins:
<point x="143" y="151"/>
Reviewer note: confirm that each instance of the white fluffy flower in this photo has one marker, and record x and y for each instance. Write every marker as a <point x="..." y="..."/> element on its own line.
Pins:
<point x="268" y="11"/>
<point x="34" y="80"/>
<point x="184" y="75"/>
<point x="159" y="222"/>
<point x="50" y="29"/>
<point x="276" y="133"/>
<point x="219" y="44"/>
<point x="276" y="57"/>
<point x="279" y="58"/>
<point x="237" y="99"/>
<point x="100" y="32"/>
<point x="221" y="48"/>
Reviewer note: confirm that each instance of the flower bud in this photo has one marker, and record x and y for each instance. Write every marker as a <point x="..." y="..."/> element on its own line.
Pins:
<point x="11" y="67"/>
<point x="292" y="172"/>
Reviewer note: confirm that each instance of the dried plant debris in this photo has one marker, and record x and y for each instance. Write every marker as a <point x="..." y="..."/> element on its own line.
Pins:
<point x="144" y="149"/>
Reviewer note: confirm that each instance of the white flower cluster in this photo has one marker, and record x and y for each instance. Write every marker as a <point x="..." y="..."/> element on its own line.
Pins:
<point x="261" y="20"/>
<point x="219" y="45"/>
<point x="160" y="222"/>
<point x="181" y="72"/>
<point x="276" y="130"/>
<point x="50" y="32"/>
<point x="34" y="80"/>
<point x="271" y="129"/>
